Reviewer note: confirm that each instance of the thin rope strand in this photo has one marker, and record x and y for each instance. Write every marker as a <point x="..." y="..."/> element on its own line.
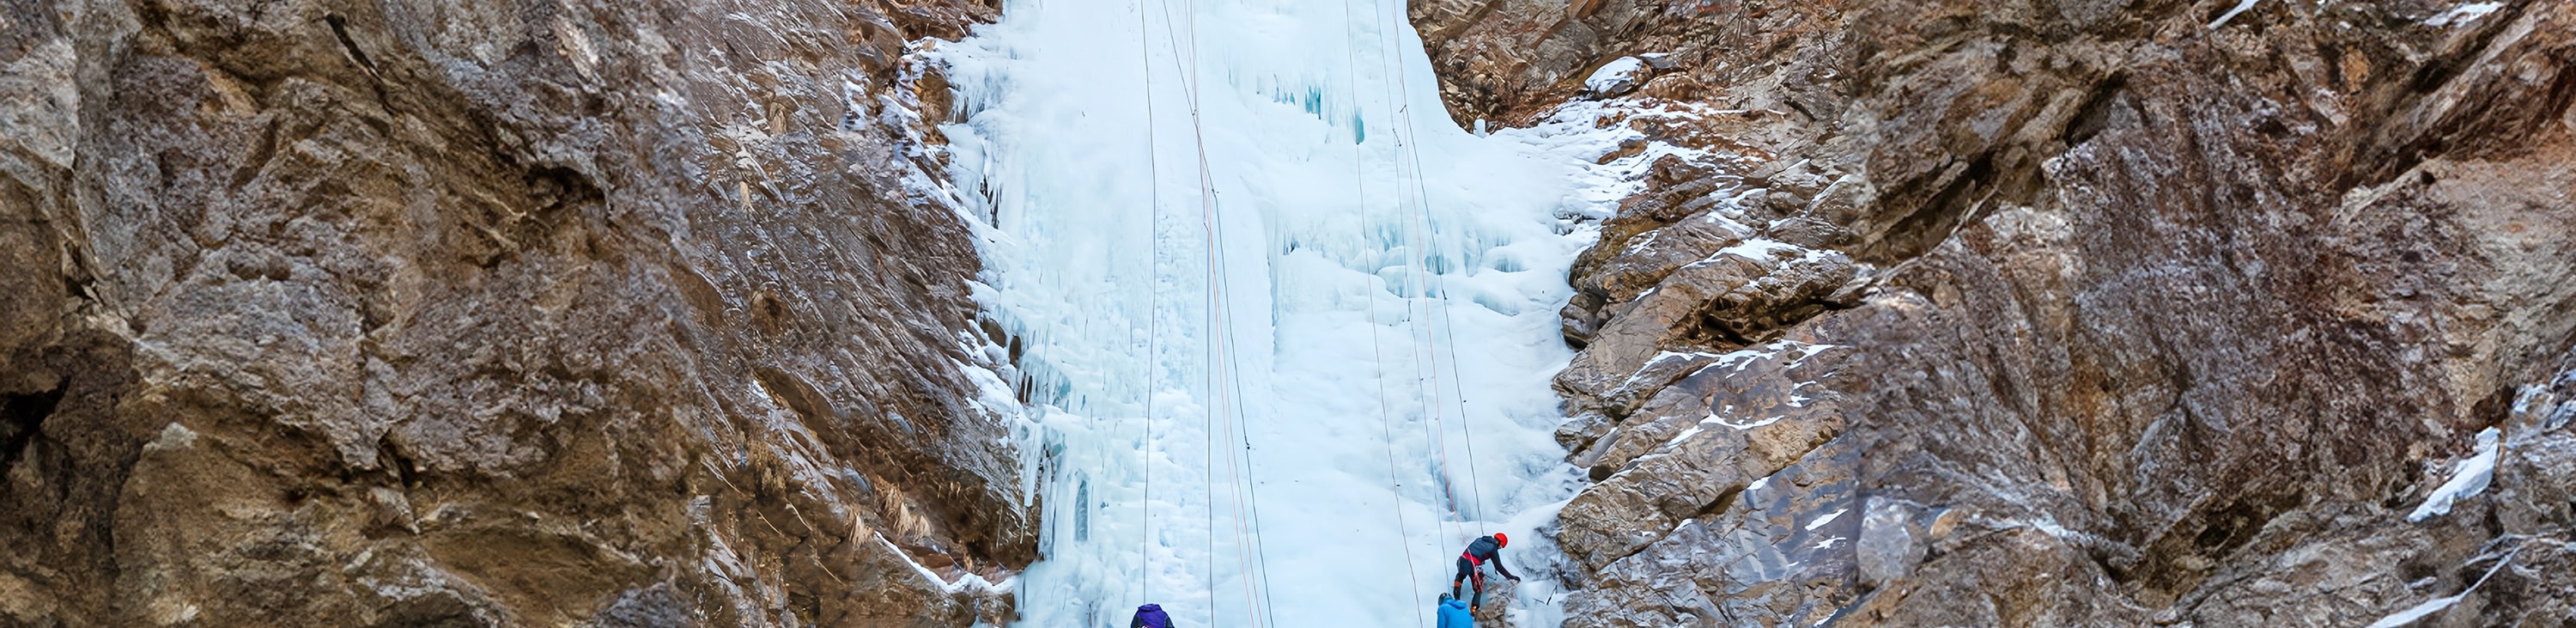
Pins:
<point x="1215" y="353"/>
<point x="1431" y="240"/>
<point x="1425" y="352"/>
<point x="1386" y="421"/>
<point x="1153" y="306"/>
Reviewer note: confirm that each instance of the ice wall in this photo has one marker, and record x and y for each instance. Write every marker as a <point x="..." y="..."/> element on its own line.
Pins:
<point x="1287" y="330"/>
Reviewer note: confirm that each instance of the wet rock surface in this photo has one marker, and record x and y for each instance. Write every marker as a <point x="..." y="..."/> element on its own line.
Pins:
<point x="488" y="314"/>
<point x="2155" y="313"/>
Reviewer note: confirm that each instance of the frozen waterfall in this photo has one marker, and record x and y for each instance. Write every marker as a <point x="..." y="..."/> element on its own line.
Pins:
<point x="1288" y="331"/>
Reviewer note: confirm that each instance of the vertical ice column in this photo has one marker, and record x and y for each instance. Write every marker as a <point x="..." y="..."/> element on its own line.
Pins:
<point x="1293" y="328"/>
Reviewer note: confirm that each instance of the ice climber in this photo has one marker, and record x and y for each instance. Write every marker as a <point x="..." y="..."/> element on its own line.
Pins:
<point x="1150" y="616"/>
<point x="1453" y="613"/>
<point x="1484" y="550"/>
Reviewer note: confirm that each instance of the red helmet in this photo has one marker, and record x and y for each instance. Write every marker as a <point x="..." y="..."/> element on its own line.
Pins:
<point x="1500" y="540"/>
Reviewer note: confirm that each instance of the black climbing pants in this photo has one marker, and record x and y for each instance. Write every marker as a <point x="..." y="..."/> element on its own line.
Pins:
<point x="1467" y="573"/>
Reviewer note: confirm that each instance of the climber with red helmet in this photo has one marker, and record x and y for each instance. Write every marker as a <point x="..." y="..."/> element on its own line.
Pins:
<point x="1483" y="550"/>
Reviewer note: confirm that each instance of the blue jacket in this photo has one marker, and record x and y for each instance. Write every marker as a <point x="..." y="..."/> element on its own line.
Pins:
<point x="1453" y="614"/>
<point x="1150" y="616"/>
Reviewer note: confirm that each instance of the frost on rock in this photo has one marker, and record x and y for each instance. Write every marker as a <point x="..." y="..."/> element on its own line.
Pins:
<point x="2463" y="14"/>
<point x="1617" y="77"/>
<point x="2426" y="609"/>
<point x="1828" y="518"/>
<point x="2241" y="7"/>
<point x="2418" y="612"/>
<point x="2468" y="477"/>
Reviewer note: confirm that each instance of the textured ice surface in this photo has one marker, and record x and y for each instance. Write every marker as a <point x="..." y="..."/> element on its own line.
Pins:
<point x="1266" y="292"/>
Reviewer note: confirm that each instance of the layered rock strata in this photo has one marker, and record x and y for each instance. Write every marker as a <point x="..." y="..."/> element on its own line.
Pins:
<point x="488" y="314"/>
<point x="2051" y="314"/>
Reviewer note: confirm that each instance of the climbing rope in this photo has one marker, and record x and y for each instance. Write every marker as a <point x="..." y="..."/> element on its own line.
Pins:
<point x="1181" y="65"/>
<point x="1386" y="421"/>
<point x="1407" y="199"/>
<point x="1153" y="306"/>
<point x="1429" y="238"/>
<point x="1225" y="386"/>
<point x="1226" y="414"/>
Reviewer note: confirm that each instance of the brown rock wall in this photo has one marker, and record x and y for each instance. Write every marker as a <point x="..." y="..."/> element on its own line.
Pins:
<point x="491" y="313"/>
<point x="2157" y="317"/>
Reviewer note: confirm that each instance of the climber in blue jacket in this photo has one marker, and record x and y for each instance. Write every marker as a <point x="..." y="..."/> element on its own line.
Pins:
<point x="1454" y="613"/>
<point x="1483" y="550"/>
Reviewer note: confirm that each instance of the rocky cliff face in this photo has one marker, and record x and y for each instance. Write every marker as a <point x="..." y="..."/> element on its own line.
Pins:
<point x="487" y="314"/>
<point x="2061" y="313"/>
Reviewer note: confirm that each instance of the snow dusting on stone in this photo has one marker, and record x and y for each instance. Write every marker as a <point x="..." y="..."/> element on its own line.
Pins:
<point x="1616" y="77"/>
<point x="2463" y="14"/>
<point x="2241" y="7"/>
<point x="2468" y="477"/>
<point x="1828" y="518"/>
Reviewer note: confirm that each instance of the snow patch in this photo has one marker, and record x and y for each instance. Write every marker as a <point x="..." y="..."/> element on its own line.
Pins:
<point x="1747" y="426"/>
<point x="2419" y="611"/>
<point x="2468" y="477"/>
<point x="1692" y="431"/>
<point x="1740" y="359"/>
<point x="173" y="436"/>
<point x="991" y="393"/>
<point x="964" y="583"/>
<point x="1753" y="249"/>
<point x="2463" y="14"/>
<point x="1616" y="77"/>
<point x="2241" y="7"/>
<point x="2436" y="605"/>
<point x="2051" y="528"/>
<point x="1828" y="518"/>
